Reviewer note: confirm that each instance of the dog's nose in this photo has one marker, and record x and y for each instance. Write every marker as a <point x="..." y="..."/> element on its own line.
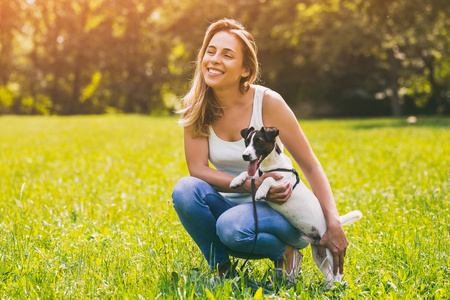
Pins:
<point x="246" y="157"/>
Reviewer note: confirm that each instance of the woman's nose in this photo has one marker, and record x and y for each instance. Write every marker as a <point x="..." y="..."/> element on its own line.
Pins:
<point x="215" y="59"/>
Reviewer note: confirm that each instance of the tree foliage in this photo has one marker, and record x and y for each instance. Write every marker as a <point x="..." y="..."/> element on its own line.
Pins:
<point x="327" y="57"/>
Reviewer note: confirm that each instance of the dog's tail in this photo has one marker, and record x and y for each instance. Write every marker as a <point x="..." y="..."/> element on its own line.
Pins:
<point x="351" y="217"/>
<point x="347" y="219"/>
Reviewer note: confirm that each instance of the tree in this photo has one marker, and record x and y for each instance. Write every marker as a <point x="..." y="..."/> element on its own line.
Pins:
<point x="328" y="57"/>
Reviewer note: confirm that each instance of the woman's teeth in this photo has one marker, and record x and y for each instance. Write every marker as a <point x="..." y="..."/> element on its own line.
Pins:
<point x="212" y="71"/>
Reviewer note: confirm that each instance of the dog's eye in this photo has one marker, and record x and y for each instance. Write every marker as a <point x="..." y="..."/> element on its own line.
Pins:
<point x="258" y="141"/>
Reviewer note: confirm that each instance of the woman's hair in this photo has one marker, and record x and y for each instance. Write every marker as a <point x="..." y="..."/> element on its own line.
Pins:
<point x="200" y="108"/>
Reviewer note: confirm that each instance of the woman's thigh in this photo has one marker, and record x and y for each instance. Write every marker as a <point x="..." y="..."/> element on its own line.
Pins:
<point x="192" y="196"/>
<point x="236" y="229"/>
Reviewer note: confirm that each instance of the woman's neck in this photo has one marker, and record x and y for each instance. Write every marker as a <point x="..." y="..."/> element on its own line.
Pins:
<point x="228" y="98"/>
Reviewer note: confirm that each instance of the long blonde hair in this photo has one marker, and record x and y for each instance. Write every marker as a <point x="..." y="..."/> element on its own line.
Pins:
<point x="200" y="108"/>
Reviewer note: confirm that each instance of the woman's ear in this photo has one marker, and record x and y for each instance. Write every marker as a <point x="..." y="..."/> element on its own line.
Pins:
<point x="246" y="72"/>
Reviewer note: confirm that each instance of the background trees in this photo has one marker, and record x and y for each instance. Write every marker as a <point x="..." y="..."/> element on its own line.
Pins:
<point x="327" y="57"/>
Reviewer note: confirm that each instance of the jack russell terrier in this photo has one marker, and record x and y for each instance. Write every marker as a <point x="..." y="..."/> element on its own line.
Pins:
<point x="302" y="209"/>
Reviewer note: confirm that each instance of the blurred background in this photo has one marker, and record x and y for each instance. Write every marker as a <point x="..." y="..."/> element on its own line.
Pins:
<point x="327" y="58"/>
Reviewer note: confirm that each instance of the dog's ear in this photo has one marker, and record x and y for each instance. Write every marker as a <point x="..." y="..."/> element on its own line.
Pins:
<point x="270" y="132"/>
<point x="246" y="131"/>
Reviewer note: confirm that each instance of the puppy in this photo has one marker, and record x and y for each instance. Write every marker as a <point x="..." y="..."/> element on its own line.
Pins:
<point x="302" y="209"/>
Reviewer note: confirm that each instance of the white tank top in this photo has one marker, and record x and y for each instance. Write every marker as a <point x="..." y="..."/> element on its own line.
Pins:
<point x="227" y="156"/>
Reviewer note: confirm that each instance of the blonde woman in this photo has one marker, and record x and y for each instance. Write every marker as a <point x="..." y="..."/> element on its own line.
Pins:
<point x="223" y="100"/>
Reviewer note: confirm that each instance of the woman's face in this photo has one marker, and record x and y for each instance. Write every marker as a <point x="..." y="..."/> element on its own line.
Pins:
<point x="222" y="64"/>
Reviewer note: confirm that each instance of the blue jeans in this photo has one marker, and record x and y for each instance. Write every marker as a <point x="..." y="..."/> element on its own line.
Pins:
<point x="221" y="228"/>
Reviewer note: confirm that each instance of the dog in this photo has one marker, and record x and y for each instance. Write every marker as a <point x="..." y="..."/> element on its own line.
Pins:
<point x="302" y="209"/>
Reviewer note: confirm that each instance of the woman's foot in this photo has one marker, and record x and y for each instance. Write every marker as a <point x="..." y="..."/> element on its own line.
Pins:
<point x="224" y="270"/>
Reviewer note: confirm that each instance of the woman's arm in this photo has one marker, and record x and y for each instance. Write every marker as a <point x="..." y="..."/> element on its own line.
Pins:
<point x="276" y="113"/>
<point x="196" y="151"/>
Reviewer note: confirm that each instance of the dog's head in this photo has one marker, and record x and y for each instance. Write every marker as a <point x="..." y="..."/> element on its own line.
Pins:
<point x="259" y="144"/>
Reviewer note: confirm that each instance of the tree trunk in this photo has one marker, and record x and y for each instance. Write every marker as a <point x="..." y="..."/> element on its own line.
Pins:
<point x="434" y="99"/>
<point x="75" y="87"/>
<point x="396" y="108"/>
<point x="6" y="38"/>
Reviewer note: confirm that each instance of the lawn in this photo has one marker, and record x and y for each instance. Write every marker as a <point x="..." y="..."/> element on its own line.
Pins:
<point x="86" y="212"/>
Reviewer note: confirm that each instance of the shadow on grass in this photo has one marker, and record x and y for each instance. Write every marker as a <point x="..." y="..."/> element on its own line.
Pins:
<point x="422" y="122"/>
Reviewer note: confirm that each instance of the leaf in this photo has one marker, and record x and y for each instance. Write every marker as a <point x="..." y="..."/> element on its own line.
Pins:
<point x="209" y="294"/>
<point x="89" y="90"/>
<point x="175" y="278"/>
<point x="74" y="216"/>
<point x="6" y="96"/>
<point x="259" y="294"/>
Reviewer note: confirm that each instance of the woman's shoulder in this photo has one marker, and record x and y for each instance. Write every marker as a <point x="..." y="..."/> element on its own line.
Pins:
<point x="275" y="108"/>
<point x="272" y="99"/>
<point x="269" y="97"/>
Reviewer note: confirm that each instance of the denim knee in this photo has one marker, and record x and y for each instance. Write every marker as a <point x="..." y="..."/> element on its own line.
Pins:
<point x="189" y="192"/>
<point x="184" y="191"/>
<point x="234" y="231"/>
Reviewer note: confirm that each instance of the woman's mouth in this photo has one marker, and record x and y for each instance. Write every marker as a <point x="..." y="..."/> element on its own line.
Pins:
<point x="214" y="71"/>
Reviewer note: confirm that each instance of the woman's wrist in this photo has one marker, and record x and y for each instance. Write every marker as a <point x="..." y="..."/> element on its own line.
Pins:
<point x="333" y="222"/>
<point x="247" y="185"/>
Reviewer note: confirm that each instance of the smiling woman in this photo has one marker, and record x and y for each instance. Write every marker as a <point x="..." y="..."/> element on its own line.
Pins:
<point x="222" y="64"/>
<point x="223" y="100"/>
<point x="200" y="106"/>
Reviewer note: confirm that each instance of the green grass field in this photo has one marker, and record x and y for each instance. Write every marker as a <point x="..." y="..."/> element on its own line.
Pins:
<point x="85" y="211"/>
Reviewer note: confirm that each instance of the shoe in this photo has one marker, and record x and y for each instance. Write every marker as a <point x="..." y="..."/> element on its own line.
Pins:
<point x="291" y="277"/>
<point x="223" y="272"/>
<point x="215" y="280"/>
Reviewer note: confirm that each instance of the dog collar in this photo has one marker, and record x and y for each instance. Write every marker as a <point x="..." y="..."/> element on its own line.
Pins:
<point x="293" y="170"/>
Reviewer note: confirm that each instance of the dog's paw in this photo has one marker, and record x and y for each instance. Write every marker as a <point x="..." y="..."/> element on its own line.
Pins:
<point x="264" y="188"/>
<point x="260" y="194"/>
<point x="236" y="182"/>
<point x="329" y="284"/>
<point x="338" y="278"/>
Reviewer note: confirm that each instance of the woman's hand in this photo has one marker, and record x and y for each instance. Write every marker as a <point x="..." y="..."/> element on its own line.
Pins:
<point x="278" y="194"/>
<point x="335" y="240"/>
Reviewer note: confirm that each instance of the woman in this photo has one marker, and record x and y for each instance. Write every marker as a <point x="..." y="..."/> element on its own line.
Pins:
<point x="221" y="102"/>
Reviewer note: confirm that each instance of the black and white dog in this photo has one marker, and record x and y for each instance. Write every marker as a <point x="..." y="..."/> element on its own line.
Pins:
<point x="302" y="209"/>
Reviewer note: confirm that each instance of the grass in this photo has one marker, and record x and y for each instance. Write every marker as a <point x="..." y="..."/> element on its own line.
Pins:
<point x="85" y="211"/>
